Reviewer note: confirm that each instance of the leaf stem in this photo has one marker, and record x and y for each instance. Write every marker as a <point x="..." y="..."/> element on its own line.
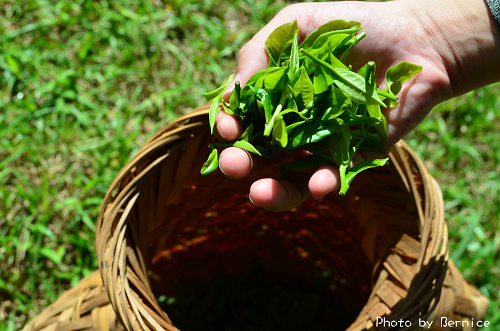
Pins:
<point x="341" y="80"/>
<point x="387" y="94"/>
<point x="270" y="125"/>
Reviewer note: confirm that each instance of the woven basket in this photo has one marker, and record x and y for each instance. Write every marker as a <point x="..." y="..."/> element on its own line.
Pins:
<point x="377" y="254"/>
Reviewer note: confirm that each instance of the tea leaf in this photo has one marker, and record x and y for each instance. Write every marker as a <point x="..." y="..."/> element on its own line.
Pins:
<point x="311" y="99"/>
<point x="247" y="146"/>
<point x="303" y="90"/>
<point x="350" y="83"/>
<point x="212" y="163"/>
<point x="294" y="57"/>
<point x="266" y="101"/>
<point x="214" y="107"/>
<point x="311" y="132"/>
<point x="209" y="96"/>
<point x="399" y="74"/>
<point x="368" y="164"/>
<point x="279" y="43"/>
<point x="330" y="28"/>
<point x="280" y="134"/>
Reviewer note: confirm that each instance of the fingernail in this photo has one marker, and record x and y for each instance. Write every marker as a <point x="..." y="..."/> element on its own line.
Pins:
<point x="250" y="198"/>
<point x="221" y="124"/>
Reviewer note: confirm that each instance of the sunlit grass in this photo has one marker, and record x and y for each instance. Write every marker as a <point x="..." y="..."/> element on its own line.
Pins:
<point x="83" y="84"/>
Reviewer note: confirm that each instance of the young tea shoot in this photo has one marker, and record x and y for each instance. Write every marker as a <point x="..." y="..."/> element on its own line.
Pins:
<point x="309" y="98"/>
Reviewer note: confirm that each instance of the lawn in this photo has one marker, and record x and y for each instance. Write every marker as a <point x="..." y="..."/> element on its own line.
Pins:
<point x="84" y="83"/>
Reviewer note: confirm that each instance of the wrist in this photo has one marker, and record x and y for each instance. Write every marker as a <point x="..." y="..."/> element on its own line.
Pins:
<point x="466" y="37"/>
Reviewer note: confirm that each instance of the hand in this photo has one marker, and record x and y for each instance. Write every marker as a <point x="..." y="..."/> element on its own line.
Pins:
<point x="396" y="31"/>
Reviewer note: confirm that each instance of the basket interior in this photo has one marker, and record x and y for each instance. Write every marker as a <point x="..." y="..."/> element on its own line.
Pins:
<point x="239" y="267"/>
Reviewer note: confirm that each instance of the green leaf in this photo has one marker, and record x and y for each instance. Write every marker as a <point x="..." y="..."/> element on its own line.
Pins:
<point x="399" y="74"/>
<point x="292" y="126"/>
<point x="339" y="101"/>
<point x="369" y="141"/>
<point x="272" y="78"/>
<point x="214" y="107"/>
<point x="293" y="111"/>
<point x="212" y="115"/>
<point x="350" y="83"/>
<point x="212" y="162"/>
<point x="322" y="80"/>
<point x="280" y="134"/>
<point x="334" y="41"/>
<point x="247" y="134"/>
<point x="368" y="72"/>
<point x="356" y="87"/>
<point x="312" y="100"/>
<point x="314" y="131"/>
<point x="349" y="45"/>
<point x="294" y="58"/>
<point x="380" y="128"/>
<point x="209" y="96"/>
<point x="247" y="146"/>
<point x="303" y="90"/>
<point x="266" y="102"/>
<point x="336" y="147"/>
<point x="351" y="173"/>
<point x="328" y="28"/>
<point x="279" y="43"/>
<point x="234" y="99"/>
<point x="256" y="76"/>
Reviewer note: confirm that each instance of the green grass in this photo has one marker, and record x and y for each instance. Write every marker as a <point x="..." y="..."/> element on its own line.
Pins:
<point x="83" y="84"/>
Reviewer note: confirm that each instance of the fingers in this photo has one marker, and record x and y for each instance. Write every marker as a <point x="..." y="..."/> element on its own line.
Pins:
<point x="325" y="180"/>
<point x="235" y="163"/>
<point x="228" y="127"/>
<point x="281" y="195"/>
<point x="277" y="195"/>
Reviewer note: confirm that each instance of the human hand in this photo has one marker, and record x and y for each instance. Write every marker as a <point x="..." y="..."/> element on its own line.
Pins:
<point x="395" y="33"/>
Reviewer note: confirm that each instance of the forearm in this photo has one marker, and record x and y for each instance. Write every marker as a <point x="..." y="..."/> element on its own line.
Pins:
<point x="466" y="37"/>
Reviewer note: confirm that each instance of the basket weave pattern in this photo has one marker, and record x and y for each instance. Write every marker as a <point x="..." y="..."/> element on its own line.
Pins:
<point x="161" y="220"/>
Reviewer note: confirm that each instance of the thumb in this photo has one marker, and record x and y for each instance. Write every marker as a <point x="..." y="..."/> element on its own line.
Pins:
<point x="251" y="58"/>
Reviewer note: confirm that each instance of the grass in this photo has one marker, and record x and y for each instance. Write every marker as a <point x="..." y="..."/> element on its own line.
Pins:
<point x="83" y="84"/>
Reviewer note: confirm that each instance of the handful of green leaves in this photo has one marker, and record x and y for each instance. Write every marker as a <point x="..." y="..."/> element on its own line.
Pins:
<point x="309" y="99"/>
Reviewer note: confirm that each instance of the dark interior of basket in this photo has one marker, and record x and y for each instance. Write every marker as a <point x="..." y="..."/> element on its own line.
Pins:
<point x="217" y="262"/>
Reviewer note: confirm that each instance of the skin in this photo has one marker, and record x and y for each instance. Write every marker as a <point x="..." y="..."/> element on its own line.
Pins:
<point x="457" y="43"/>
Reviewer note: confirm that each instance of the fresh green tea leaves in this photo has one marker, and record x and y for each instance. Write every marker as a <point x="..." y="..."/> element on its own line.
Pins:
<point x="351" y="173"/>
<point x="280" y="135"/>
<point x="243" y="144"/>
<point x="280" y="42"/>
<point x="328" y="29"/>
<point x="399" y="74"/>
<point x="212" y="163"/>
<point x="309" y="98"/>
<point x="356" y="87"/>
<point x="303" y="90"/>
<point x="216" y="96"/>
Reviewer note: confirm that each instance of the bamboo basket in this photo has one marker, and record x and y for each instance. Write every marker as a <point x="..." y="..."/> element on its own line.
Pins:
<point x="165" y="231"/>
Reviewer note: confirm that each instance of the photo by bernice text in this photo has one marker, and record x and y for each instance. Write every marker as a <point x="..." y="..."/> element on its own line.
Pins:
<point x="443" y="322"/>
